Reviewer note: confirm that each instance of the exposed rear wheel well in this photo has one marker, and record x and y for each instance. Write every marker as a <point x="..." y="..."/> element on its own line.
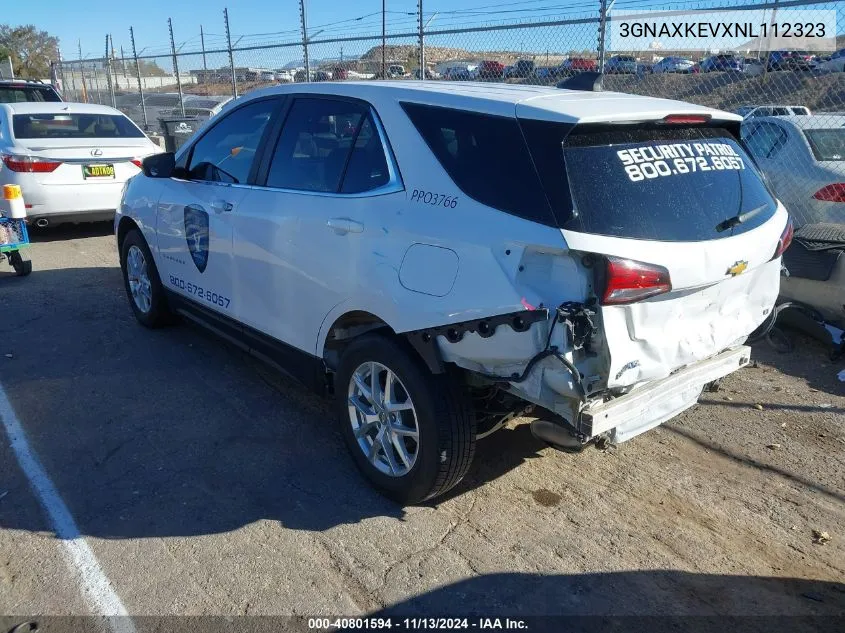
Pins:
<point x="348" y="327"/>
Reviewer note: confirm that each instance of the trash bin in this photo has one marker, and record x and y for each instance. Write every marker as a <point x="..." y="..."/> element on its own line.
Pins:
<point x="178" y="130"/>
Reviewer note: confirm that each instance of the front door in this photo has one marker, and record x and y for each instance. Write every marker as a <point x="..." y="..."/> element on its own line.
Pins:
<point x="195" y="213"/>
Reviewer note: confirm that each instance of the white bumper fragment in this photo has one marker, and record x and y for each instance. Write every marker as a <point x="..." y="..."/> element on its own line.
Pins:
<point x="658" y="401"/>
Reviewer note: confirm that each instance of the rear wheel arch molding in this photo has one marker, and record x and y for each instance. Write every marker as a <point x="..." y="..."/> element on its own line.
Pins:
<point x="362" y="322"/>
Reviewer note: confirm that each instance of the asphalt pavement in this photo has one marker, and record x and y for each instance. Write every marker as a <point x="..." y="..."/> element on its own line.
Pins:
<point x="202" y="483"/>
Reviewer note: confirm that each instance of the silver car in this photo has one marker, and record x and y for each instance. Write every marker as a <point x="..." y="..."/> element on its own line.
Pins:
<point x="804" y="160"/>
<point x="673" y="64"/>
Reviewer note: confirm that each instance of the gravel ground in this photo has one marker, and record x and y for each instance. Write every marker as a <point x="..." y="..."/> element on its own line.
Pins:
<point x="206" y="484"/>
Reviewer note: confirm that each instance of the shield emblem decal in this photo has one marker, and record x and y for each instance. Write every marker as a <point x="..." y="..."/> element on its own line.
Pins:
<point x="196" y="234"/>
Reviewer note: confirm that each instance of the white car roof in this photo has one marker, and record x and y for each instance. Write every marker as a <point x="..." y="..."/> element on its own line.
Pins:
<point x="537" y="102"/>
<point x="57" y="107"/>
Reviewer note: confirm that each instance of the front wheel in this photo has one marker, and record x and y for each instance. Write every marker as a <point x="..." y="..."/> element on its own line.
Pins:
<point x="142" y="283"/>
<point x="410" y="432"/>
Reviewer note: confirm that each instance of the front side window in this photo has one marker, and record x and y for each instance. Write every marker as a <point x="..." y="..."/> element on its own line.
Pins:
<point x="328" y="146"/>
<point x="226" y="152"/>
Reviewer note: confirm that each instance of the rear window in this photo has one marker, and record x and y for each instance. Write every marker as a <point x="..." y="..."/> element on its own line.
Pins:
<point x="688" y="184"/>
<point x="65" y="125"/>
<point x="486" y="157"/>
<point x="23" y="94"/>
<point x="827" y="145"/>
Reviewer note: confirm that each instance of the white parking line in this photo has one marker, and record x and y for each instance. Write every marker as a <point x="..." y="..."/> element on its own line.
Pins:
<point x="96" y="588"/>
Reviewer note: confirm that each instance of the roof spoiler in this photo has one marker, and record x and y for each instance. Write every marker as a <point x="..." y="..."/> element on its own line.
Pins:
<point x="588" y="81"/>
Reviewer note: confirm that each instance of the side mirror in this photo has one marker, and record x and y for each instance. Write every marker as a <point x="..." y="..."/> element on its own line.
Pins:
<point x="159" y="165"/>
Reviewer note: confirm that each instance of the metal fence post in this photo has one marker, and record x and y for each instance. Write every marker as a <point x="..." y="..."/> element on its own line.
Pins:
<point x="97" y="82"/>
<point x="123" y="64"/>
<point x="114" y="64"/>
<point x="304" y="40"/>
<point x="138" y="73"/>
<point x="202" y="44"/>
<point x="108" y="75"/>
<point x="422" y="42"/>
<point x="231" y="56"/>
<point x="82" y="72"/>
<point x="62" y="72"/>
<point x="176" y="67"/>
<point x="602" y="24"/>
<point x="383" y="39"/>
<point x="73" y="84"/>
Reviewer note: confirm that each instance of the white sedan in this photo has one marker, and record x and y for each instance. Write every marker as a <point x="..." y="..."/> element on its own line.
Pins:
<point x="71" y="160"/>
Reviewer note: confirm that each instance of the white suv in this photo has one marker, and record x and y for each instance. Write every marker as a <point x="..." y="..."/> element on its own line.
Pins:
<point x="443" y="257"/>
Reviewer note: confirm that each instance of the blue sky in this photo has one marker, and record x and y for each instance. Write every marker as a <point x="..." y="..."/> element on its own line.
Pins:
<point x="254" y="22"/>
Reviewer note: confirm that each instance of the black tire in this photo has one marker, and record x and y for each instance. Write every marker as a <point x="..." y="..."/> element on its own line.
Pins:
<point x="22" y="266"/>
<point x="445" y="421"/>
<point x="159" y="313"/>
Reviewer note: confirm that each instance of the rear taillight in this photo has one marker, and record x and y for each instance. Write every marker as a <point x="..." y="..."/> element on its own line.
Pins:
<point x="137" y="162"/>
<point x="686" y="119"/>
<point x="29" y="164"/>
<point x="785" y="239"/>
<point x="627" y="281"/>
<point x="831" y="193"/>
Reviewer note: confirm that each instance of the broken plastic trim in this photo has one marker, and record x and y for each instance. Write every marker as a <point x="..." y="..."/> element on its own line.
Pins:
<point x="425" y="341"/>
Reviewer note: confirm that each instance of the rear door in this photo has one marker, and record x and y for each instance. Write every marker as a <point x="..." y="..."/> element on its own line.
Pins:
<point x="677" y="206"/>
<point x="328" y="183"/>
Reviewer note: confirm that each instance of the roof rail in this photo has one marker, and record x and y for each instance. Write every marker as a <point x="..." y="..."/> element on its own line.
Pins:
<point x="588" y="81"/>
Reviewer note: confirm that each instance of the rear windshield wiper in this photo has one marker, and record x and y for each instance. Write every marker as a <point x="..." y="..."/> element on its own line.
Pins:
<point x="739" y="218"/>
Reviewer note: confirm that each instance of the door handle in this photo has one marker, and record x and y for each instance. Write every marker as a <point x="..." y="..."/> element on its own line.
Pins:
<point x="221" y="206"/>
<point x="342" y="226"/>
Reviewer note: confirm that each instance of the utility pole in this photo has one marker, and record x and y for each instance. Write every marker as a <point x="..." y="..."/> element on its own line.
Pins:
<point x="422" y="41"/>
<point x="138" y="73"/>
<point x="176" y="67"/>
<point x="231" y="56"/>
<point x="202" y="44"/>
<point x="383" y="38"/>
<point x="304" y="40"/>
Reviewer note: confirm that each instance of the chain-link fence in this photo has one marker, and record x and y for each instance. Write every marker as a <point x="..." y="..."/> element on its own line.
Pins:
<point x="162" y="87"/>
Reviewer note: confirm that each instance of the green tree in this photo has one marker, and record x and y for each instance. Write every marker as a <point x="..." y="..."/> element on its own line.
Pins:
<point x="31" y="50"/>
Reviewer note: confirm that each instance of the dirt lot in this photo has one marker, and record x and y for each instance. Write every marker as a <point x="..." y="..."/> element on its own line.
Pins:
<point x="204" y="484"/>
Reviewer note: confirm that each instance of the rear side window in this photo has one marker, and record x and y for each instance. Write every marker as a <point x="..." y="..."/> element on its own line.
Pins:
<point x="677" y="185"/>
<point x="486" y="157"/>
<point x="316" y="143"/>
<point x="22" y="94"/>
<point x="827" y="145"/>
<point x="765" y="140"/>
<point x="65" y="125"/>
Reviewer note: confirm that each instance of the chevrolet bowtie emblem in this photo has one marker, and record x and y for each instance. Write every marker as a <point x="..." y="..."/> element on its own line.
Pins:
<point x="738" y="268"/>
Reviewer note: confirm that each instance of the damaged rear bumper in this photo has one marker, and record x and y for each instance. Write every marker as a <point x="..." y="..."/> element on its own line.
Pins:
<point x="656" y="402"/>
